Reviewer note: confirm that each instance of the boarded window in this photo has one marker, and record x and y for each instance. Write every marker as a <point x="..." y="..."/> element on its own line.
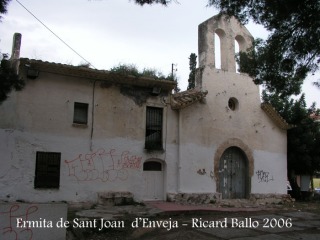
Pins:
<point x="47" y="170"/>
<point x="154" y="128"/>
<point x="152" y="166"/>
<point x="80" y="115"/>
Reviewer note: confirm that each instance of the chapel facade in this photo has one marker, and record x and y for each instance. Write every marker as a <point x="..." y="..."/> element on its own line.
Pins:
<point x="77" y="134"/>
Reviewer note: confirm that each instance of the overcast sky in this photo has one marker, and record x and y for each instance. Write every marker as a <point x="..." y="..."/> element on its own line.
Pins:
<point x="109" y="32"/>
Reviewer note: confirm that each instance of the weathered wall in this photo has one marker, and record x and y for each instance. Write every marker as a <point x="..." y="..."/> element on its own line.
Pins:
<point x="105" y="155"/>
<point x="45" y="220"/>
<point x="213" y="125"/>
<point x="108" y="153"/>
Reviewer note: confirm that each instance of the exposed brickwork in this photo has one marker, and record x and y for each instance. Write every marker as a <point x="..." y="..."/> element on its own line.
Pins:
<point x="215" y="198"/>
<point x="115" y="198"/>
<point x="193" y="198"/>
<point x="263" y="199"/>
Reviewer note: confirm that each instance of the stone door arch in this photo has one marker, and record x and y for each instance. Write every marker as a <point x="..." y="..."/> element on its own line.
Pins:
<point x="233" y="174"/>
<point x="233" y="168"/>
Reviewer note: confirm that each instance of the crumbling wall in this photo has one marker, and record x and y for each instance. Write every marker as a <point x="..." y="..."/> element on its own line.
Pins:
<point x="194" y="198"/>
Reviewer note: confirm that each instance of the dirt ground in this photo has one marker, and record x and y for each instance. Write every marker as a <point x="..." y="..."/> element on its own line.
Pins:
<point x="167" y="230"/>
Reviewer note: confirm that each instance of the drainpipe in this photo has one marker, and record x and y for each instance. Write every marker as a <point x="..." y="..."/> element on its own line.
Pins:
<point x="92" y="114"/>
<point x="179" y="153"/>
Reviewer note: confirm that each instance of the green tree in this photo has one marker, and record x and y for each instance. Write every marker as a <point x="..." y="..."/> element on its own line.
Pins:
<point x="9" y="80"/>
<point x="292" y="49"/>
<point x="303" y="144"/>
<point x="3" y="7"/>
<point x="192" y="67"/>
<point x="142" y="2"/>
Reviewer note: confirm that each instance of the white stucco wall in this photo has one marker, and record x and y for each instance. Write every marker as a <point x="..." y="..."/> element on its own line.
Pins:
<point x="40" y="118"/>
<point x="210" y="125"/>
<point x="196" y="169"/>
<point x="269" y="172"/>
<point x="43" y="116"/>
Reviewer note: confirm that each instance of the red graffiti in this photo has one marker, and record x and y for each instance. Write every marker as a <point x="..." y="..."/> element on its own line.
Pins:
<point x="11" y="231"/>
<point x="102" y="165"/>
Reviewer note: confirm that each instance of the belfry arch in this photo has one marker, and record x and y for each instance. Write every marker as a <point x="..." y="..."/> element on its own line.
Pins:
<point x="219" y="49"/>
<point x="228" y="29"/>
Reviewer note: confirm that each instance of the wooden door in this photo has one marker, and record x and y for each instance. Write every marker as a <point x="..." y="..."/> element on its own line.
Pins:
<point x="233" y="174"/>
<point x="153" y="180"/>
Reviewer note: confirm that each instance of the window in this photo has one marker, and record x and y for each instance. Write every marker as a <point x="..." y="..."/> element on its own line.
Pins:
<point x="152" y="166"/>
<point x="47" y="170"/>
<point x="80" y="115"/>
<point x="154" y="128"/>
<point x="233" y="104"/>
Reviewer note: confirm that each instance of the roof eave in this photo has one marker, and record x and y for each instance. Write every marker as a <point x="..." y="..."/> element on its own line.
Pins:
<point x="98" y="75"/>
<point x="275" y="116"/>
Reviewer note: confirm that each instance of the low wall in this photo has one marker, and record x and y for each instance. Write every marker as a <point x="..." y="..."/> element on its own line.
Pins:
<point x="194" y="198"/>
<point x="32" y="221"/>
<point x="212" y="198"/>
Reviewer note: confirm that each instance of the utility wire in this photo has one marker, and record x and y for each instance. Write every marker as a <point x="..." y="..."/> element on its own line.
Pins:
<point x="56" y="35"/>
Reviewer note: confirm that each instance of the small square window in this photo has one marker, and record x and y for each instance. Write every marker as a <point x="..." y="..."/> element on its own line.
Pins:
<point x="47" y="173"/>
<point x="154" y="128"/>
<point x="80" y="115"/>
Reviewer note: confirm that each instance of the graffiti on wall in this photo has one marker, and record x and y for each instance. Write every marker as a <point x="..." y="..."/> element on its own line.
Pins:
<point x="264" y="176"/>
<point x="201" y="171"/>
<point x="9" y="217"/>
<point x="106" y="166"/>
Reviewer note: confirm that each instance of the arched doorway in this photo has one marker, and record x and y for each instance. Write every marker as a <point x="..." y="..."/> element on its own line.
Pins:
<point x="233" y="174"/>
<point x="153" y="180"/>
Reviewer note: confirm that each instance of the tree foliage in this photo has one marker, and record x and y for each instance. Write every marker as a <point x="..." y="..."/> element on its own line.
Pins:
<point x="9" y="80"/>
<point x="3" y="7"/>
<point x="292" y="49"/>
<point x="132" y="69"/>
<point x="162" y="2"/>
<point x="304" y="138"/>
<point x="192" y="67"/>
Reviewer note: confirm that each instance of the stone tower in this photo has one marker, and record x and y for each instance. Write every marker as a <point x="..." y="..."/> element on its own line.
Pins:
<point x="229" y="30"/>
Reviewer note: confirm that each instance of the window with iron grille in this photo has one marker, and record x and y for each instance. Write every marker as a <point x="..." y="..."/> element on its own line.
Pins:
<point x="154" y="128"/>
<point x="47" y="170"/>
<point x="80" y="115"/>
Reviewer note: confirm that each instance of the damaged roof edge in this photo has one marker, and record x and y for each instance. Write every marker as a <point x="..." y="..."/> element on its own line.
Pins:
<point x="275" y="116"/>
<point x="186" y="98"/>
<point x="102" y="75"/>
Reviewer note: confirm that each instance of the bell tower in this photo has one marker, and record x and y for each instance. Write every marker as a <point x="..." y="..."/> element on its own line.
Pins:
<point x="229" y="30"/>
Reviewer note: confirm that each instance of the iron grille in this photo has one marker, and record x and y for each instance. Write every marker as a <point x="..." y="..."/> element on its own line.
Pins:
<point x="154" y="128"/>
<point x="47" y="170"/>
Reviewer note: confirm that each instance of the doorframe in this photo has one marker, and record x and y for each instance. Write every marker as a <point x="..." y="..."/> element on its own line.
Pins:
<point x="164" y="172"/>
<point x="234" y="142"/>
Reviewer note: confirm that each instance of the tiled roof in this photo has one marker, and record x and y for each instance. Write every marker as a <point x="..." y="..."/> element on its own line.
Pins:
<point x="315" y="117"/>
<point x="186" y="98"/>
<point x="275" y="116"/>
<point x="94" y="74"/>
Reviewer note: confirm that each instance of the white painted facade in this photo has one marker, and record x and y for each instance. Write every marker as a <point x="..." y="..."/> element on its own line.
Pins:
<point x="108" y="153"/>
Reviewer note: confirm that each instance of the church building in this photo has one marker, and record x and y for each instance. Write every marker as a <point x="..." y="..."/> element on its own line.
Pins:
<point x="83" y="135"/>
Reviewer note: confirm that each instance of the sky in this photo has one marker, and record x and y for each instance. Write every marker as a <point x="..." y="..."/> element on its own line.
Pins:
<point x="109" y="32"/>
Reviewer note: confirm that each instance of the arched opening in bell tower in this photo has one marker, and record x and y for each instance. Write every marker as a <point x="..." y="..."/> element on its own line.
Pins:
<point x="219" y="49"/>
<point x="240" y="45"/>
